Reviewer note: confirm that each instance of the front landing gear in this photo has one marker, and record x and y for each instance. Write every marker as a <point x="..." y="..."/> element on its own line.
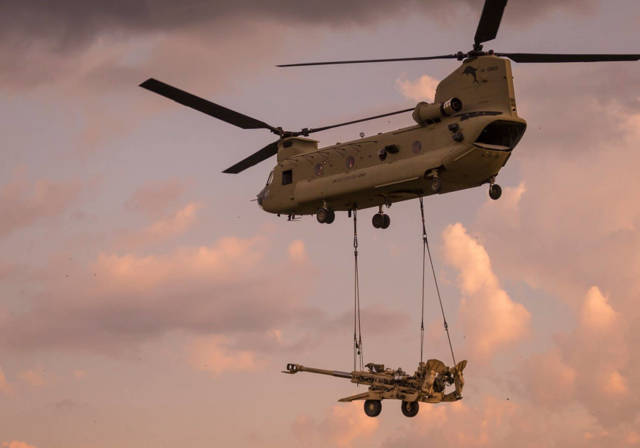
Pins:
<point x="436" y="183"/>
<point x="410" y="408"/>
<point x="495" y="191"/>
<point x="325" y="215"/>
<point x="372" y="407"/>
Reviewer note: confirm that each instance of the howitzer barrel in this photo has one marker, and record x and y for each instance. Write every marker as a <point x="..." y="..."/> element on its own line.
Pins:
<point x="295" y="368"/>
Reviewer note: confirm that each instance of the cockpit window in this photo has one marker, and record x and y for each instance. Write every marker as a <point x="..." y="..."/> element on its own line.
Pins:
<point x="270" y="178"/>
<point x="501" y="134"/>
<point x="287" y="177"/>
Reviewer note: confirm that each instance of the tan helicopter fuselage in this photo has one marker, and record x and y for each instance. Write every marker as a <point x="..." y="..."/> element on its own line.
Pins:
<point x="464" y="150"/>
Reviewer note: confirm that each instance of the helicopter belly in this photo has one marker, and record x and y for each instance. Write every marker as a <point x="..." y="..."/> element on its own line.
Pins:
<point x="370" y="186"/>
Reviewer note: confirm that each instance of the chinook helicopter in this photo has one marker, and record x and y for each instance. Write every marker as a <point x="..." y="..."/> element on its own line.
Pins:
<point x="460" y="141"/>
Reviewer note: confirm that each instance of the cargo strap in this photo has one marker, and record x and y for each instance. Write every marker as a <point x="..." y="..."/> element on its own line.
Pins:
<point x="425" y="251"/>
<point x="357" y="330"/>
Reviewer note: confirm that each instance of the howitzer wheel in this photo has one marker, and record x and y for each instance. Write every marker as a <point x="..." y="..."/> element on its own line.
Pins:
<point x="372" y="407"/>
<point x="410" y="408"/>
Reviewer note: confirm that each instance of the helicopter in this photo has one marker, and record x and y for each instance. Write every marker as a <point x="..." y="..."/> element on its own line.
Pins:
<point x="461" y="140"/>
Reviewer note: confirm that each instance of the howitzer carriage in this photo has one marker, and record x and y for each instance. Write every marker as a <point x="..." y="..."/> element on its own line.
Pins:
<point x="429" y="384"/>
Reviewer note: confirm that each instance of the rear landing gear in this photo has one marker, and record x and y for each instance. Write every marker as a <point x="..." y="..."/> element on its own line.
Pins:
<point x="495" y="191"/>
<point x="325" y="215"/>
<point x="381" y="220"/>
<point x="410" y="408"/>
<point x="372" y="407"/>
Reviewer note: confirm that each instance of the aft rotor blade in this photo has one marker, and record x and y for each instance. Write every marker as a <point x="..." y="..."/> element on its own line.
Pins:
<point x="205" y="106"/>
<point x="544" y="57"/>
<point x="324" y="128"/>
<point x="490" y="20"/>
<point x="255" y="158"/>
<point x="368" y="61"/>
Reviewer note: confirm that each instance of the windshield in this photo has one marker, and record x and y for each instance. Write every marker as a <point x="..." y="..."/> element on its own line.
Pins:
<point x="270" y="178"/>
<point x="501" y="134"/>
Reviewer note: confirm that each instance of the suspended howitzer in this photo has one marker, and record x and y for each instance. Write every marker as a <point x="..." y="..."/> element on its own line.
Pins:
<point x="429" y="384"/>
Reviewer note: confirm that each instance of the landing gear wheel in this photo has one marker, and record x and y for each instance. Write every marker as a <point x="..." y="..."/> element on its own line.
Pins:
<point x="386" y="221"/>
<point x="325" y="216"/>
<point x="495" y="191"/>
<point x="331" y="217"/>
<point x="410" y="408"/>
<point x="372" y="407"/>
<point x="436" y="184"/>
<point x="381" y="221"/>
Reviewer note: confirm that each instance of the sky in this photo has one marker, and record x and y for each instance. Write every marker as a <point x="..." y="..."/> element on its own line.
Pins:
<point x="145" y="300"/>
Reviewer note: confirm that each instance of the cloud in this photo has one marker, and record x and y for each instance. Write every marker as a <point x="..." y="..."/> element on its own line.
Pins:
<point x="4" y="384"/>
<point x="502" y="321"/>
<point x="121" y="300"/>
<point x="547" y="379"/>
<point x="213" y="354"/>
<point x="23" y="204"/>
<point x="342" y="426"/>
<point x="74" y="38"/>
<point x="421" y="89"/>
<point x="297" y="251"/>
<point x="596" y="313"/>
<point x="32" y="378"/>
<point x="500" y="423"/>
<point x="155" y="198"/>
<point x="72" y="20"/>
<point x="17" y="444"/>
<point x="175" y="224"/>
<point x="589" y="366"/>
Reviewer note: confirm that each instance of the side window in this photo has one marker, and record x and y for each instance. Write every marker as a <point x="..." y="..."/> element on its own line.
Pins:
<point x="287" y="177"/>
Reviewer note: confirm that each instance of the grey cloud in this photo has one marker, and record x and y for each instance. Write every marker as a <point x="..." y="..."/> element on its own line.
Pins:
<point x="71" y="22"/>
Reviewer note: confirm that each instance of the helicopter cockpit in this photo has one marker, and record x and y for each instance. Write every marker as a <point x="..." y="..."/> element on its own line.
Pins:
<point x="501" y="135"/>
<point x="265" y="190"/>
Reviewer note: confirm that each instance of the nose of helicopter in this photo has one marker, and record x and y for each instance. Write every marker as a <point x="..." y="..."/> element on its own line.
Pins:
<point x="260" y="197"/>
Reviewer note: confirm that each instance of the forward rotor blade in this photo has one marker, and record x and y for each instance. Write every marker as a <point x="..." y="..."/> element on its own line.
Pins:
<point x="255" y="158"/>
<point x="324" y="128"/>
<point x="544" y="57"/>
<point x="205" y="106"/>
<point x="490" y="20"/>
<point x="367" y="61"/>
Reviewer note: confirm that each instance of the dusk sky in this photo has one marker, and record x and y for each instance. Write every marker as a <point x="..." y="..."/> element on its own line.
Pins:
<point x="146" y="301"/>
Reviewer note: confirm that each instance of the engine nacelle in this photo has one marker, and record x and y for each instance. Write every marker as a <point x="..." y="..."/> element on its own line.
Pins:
<point x="426" y="113"/>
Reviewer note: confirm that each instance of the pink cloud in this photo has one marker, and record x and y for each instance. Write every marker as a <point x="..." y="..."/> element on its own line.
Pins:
<point x="32" y="378"/>
<point x="228" y="257"/>
<point x="297" y="251"/>
<point x="155" y="198"/>
<point x="4" y="384"/>
<point x="213" y="354"/>
<point x="17" y="444"/>
<point x="597" y="314"/>
<point x="23" y="204"/>
<point x="589" y="366"/>
<point x="547" y="379"/>
<point x="175" y="224"/>
<point x="343" y="426"/>
<point x="490" y="318"/>
<point x="120" y="300"/>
